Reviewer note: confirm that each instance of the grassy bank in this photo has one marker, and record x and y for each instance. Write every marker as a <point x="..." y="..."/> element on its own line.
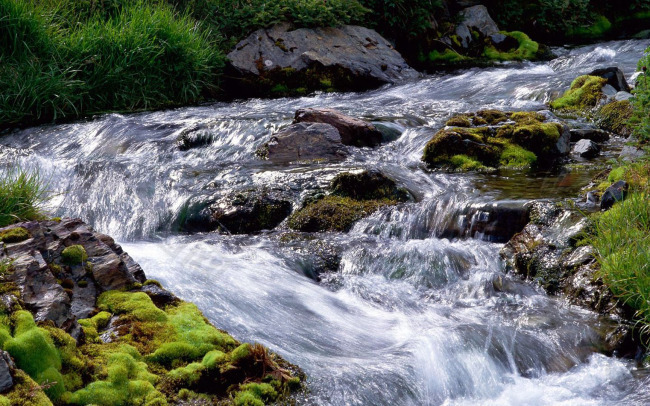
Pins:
<point x="621" y="236"/>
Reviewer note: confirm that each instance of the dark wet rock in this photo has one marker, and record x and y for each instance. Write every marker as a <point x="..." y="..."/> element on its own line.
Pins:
<point x="194" y="137"/>
<point x="615" y="193"/>
<point x="367" y="185"/>
<point x="242" y="212"/>
<point x="586" y="149"/>
<point x="312" y="255"/>
<point x="353" y="131"/>
<point x="495" y="222"/>
<point x="60" y="291"/>
<point x="160" y="296"/>
<point x="475" y="19"/>
<point x="592" y="134"/>
<point x="304" y="141"/>
<point x="503" y="43"/>
<point x="6" y="368"/>
<point x="615" y="78"/>
<point x="348" y="57"/>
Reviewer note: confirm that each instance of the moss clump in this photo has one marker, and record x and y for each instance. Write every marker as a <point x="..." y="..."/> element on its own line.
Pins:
<point x="600" y="26"/>
<point x="26" y="392"/>
<point x="540" y="138"/>
<point x="515" y="156"/>
<point x="255" y="394"/>
<point x="447" y="56"/>
<point x="333" y="213"/>
<point x="464" y="146"/>
<point x="74" y="255"/>
<point x="527" y="49"/>
<point x="367" y="185"/>
<point x="465" y="163"/>
<point x="614" y="117"/>
<point x="492" y="117"/>
<point x="461" y="120"/>
<point x="585" y="93"/>
<point x="13" y="235"/>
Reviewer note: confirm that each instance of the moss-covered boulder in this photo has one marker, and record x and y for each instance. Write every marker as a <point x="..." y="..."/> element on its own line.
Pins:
<point x="585" y="93"/>
<point x="130" y="348"/>
<point x="614" y="117"/>
<point x="497" y="139"/>
<point x="14" y="235"/>
<point x="353" y="197"/>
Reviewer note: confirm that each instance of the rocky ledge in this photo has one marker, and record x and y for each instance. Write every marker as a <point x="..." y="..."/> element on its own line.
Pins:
<point x="80" y="324"/>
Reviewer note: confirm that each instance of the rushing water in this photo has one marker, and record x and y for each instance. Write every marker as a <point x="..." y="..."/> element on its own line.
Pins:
<point x="410" y="318"/>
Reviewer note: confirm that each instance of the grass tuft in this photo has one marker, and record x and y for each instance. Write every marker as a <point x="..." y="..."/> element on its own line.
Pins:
<point x="22" y="194"/>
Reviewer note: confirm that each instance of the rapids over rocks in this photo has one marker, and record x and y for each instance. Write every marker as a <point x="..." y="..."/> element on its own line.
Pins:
<point x="420" y="311"/>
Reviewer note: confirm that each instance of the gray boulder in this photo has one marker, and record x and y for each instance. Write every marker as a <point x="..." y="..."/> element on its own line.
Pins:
<point x="615" y="78"/>
<point x="304" y="141"/>
<point x="361" y="52"/>
<point x="353" y="131"/>
<point x="586" y="149"/>
<point x="475" y="18"/>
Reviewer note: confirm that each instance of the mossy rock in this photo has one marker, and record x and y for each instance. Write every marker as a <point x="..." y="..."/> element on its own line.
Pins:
<point x="334" y="213"/>
<point x="524" y="49"/>
<point x="461" y="148"/>
<point x="367" y="185"/>
<point x="584" y="94"/>
<point x="74" y="255"/>
<point x="614" y="117"/>
<point x="14" y="235"/>
<point x="461" y="120"/>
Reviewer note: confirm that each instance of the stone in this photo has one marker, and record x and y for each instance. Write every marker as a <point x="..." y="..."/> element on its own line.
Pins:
<point x="160" y="296"/>
<point x="615" y="78"/>
<point x="475" y="18"/>
<point x="592" y="134"/>
<point x="6" y="368"/>
<point x="305" y="141"/>
<point x="353" y="131"/>
<point x="362" y="54"/>
<point x="243" y="212"/>
<point x="586" y="149"/>
<point x="615" y="193"/>
<point x="367" y="185"/>
<point x="620" y="96"/>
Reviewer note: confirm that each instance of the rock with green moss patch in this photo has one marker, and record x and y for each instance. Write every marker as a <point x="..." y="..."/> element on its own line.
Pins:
<point x="333" y="213"/>
<point x="14" y="235"/>
<point x="520" y="140"/>
<point x="585" y="93"/>
<point x="367" y="185"/>
<point x="615" y="116"/>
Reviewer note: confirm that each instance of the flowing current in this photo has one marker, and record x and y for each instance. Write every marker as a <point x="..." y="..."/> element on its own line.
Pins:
<point x="410" y="318"/>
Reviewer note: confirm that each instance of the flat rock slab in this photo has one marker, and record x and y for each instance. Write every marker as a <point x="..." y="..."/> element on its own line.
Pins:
<point x="303" y="142"/>
<point x="359" y="50"/>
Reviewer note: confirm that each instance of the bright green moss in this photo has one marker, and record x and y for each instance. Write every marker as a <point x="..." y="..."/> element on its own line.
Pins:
<point x="152" y="282"/>
<point x="181" y="351"/>
<point x="527" y="49"/>
<point x="4" y="401"/>
<point x="241" y="352"/>
<point x="517" y="157"/>
<point x="188" y="375"/>
<point x="34" y="352"/>
<point x="26" y="392"/>
<point x="585" y="93"/>
<point x="465" y="163"/>
<point x="214" y="358"/>
<point x="448" y="56"/>
<point x="74" y="255"/>
<point x="254" y="394"/>
<point x="13" y="235"/>
<point x="138" y="305"/>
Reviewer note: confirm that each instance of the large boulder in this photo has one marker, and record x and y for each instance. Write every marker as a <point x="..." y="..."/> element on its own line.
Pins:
<point x="475" y="19"/>
<point x="59" y="268"/>
<point x="346" y="58"/>
<point x="304" y="141"/>
<point x="615" y="78"/>
<point x="242" y="212"/>
<point x="353" y="131"/>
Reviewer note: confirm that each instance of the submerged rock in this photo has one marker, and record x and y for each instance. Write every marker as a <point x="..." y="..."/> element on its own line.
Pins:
<point x="304" y="142"/>
<point x="353" y="131"/>
<point x="344" y="58"/>
<point x="242" y="212"/>
<point x="586" y="149"/>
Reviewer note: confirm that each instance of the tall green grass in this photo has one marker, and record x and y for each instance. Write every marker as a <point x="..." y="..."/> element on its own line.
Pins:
<point x="22" y="195"/>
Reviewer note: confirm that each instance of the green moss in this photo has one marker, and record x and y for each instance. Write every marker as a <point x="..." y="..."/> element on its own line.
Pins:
<point x="280" y="90"/>
<point x="214" y="359"/>
<point x="461" y="120"/>
<point x="152" y="282"/>
<point x="34" y="352"/>
<point x="465" y="163"/>
<point x="492" y="117"/>
<point x="74" y="255"/>
<point x="188" y="375"/>
<point x="615" y="116"/>
<point x="254" y="394"/>
<point x="527" y="49"/>
<point x="26" y="392"/>
<point x="585" y="93"/>
<point x="334" y="213"/>
<point x="4" y="401"/>
<point x="527" y="117"/>
<point x="597" y="29"/>
<point x="517" y="157"/>
<point x="448" y="56"/>
<point x="13" y="235"/>
<point x="138" y="305"/>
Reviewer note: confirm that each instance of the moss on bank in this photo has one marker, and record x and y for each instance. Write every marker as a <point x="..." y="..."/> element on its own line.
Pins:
<point x="499" y="139"/>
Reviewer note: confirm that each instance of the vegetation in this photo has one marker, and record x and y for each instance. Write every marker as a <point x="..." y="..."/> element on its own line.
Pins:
<point x="621" y="236"/>
<point x="22" y="194"/>
<point x="584" y="94"/>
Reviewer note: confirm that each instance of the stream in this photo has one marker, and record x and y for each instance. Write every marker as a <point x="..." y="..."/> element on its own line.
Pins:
<point x="410" y="318"/>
